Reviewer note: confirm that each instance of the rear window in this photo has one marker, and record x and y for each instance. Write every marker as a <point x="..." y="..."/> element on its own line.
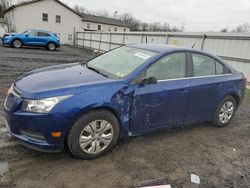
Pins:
<point x="203" y="65"/>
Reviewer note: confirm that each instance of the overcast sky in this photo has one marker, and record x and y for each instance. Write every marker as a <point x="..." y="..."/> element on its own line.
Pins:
<point x="198" y="15"/>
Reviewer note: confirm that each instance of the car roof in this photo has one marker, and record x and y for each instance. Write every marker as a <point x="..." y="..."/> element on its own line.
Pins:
<point x="163" y="48"/>
<point x="38" y="30"/>
<point x="166" y="48"/>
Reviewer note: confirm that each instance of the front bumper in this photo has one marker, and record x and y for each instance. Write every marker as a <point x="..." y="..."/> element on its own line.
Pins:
<point x="34" y="130"/>
<point x="6" y="40"/>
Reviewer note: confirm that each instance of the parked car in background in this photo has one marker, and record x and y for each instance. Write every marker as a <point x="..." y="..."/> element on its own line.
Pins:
<point x="47" y="39"/>
<point x="128" y="91"/>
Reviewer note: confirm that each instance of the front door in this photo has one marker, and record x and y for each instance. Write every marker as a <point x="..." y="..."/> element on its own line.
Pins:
<point x="164" y="103"/>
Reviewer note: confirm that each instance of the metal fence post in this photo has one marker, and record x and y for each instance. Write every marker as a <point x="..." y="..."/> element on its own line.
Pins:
<point x="74" y="37"/>
<point x="110" y="41"/>
<point x="203" y="41"/>
<point x="100" y="41"/>
<point x="142" y="37"/>
<point x="90" y="40"/>
<point x="83" y="39"/>
<point x="123" y="40"/>
<point x="167" y="38"/>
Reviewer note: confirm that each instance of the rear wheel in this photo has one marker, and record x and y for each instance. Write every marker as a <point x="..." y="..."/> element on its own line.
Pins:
<point x="51" y="46"/>
<point x="224" y="112"/>
<point x="93" y="134"/>
<point x="17" y="43"/>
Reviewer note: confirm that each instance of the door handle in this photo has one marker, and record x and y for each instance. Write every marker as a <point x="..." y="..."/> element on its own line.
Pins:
<point x="182" y="91"/>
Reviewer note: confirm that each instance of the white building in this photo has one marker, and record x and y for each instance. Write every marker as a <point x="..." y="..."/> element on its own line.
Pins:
<point x="53" y="15"/>
<point x="3" y="27"/>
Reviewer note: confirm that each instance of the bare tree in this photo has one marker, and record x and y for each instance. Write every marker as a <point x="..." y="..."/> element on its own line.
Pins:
<point x="242" y="28"/>
<point x="223" y="30"/>
<point x="80" y="9"/>
<point x="3" y="6"/>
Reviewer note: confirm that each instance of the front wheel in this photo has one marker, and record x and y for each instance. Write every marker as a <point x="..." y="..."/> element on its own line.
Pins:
<point x="17" y="43"/>
<point x="93" y="134"/>
<point x="225" y="112"/>
<point x="51" y="46"/>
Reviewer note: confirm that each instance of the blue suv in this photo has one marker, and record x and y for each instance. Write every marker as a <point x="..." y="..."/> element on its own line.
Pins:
<point x="128" y="91"/>
<point x="47" y="39"/>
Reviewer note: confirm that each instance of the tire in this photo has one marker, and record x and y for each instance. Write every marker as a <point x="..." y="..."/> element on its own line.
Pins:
<point x="93" y="132"/>
<point x="224" y="112"/>
<point x="16" y="43"/>
<point x="51" y="46"/>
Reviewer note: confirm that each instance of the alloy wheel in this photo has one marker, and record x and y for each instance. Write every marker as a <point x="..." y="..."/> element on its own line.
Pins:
<point x="17" y="44"/>
<point x="51" y="46"/>
<point x="226" y="112"/>
<point x="96" y="136"/>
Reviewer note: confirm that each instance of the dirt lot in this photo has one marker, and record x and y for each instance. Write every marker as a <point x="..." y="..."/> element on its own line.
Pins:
<point x="221" y="157"/>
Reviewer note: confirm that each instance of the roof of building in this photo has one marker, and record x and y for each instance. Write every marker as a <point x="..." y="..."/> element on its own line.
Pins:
<point x="85" y="17"/>
<point x="104" y="20"/>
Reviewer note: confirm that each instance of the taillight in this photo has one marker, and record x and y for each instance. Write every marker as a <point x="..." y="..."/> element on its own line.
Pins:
<point x="245" y="81"/>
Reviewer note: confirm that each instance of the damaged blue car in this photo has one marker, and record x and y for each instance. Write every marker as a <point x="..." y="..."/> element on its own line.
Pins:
<point x="131" y="90"/>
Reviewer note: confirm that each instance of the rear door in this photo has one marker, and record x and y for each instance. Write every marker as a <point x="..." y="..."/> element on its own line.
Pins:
<point x="43" y="38"/>
<point x="206" y="83"/>
<point x="163" y="104"/>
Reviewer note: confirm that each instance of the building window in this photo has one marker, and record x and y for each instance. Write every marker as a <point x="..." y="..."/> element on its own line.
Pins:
<point x="109" y="28"/>
<point x="88" y="25"/>
<point x="45" y="17"/>
<point x="70" y="37"/>
<point x="124" y="30"/>
<point x="115" y="28"/>
<point x="58" y="19"/>
<point x="99" y="27"/>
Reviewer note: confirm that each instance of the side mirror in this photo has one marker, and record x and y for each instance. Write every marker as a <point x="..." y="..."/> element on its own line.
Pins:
<point x="26" y="35"/>
<point x="147" y="81"/>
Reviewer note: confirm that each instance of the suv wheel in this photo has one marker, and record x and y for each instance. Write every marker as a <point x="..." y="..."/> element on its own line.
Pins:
<point x="225" y="112"/>
<point x="51" y="46"/>
<point x="93" y="134"/>
<point x="17" y="43"/>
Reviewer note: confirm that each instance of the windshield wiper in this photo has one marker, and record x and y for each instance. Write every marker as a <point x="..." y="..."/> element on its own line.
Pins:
<point x="96" y="70"/>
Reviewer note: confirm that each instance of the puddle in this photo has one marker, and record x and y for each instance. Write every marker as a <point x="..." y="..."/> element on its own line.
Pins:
<point x="3" y="167"/>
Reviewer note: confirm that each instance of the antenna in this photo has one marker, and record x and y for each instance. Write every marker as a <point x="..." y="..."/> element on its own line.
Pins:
<point x="194" y="45"/>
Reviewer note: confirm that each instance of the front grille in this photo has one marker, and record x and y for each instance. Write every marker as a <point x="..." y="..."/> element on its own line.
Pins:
<point x="32" y="135"/>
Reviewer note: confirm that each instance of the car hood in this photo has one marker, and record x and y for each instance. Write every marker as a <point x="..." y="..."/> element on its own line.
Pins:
<point x="58" y="80"/>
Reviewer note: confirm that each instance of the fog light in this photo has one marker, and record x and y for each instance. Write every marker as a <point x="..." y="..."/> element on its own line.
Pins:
<point x="56" y="134"/>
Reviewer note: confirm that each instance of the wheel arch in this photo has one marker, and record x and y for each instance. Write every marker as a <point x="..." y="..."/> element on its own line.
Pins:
<point x="122" y="133"/>
<point x="17" y="38"/>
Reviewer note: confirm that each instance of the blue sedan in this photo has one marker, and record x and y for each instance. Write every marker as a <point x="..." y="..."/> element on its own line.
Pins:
<point x="32" y="38"/>
<point x="128" y="91"/>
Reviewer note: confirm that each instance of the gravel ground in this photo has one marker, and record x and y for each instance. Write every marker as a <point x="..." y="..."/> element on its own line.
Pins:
<point x="221" y="157"/>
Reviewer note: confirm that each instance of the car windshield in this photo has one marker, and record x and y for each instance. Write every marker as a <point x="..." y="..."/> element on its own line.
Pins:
<point x="26" y="31"/>
<point x="121" y="61"/>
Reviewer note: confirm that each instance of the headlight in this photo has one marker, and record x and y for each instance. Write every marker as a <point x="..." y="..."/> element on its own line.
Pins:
<point x="10" y="90"/>
<point x="42" y="105"/>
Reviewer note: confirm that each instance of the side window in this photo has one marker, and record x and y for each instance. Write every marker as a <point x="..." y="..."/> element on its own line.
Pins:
<point x="221" y="69"/>
<point x="203" y="65"/>
<point x="169" y="67"/>
<point x="45" y="17"/>
<point x="58" y="19"/>
<point x="43" y="34"/>
<point x="32" y="33"/>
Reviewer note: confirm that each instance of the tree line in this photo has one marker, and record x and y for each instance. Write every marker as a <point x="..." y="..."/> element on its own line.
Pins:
<point x="134" y="23"/>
